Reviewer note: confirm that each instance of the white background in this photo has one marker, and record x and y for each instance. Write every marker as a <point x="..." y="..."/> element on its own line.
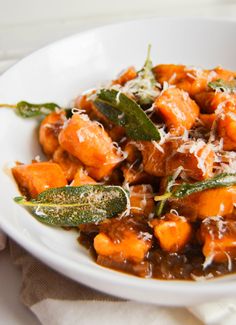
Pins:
<point x="26" y="25"/>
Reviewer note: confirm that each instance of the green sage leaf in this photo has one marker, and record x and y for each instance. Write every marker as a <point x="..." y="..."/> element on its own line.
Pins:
<point x="224" y="86"/>
<point x="162" y="202"/>
<point x="221" y="180"/>
<point x="125" y="112"/>
<point x="185" y="189"/>
<point x="145" y="82"/>
<point x="26" y="110"/>
<point x="71" y="205"/>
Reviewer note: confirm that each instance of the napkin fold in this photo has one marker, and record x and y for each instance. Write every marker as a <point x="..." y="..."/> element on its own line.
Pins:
<point x="57" y="300"/>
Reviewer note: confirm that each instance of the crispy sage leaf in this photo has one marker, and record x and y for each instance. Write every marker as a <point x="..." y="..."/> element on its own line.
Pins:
<point x="146" y="81"/>
<point x="221" y="180"/>
<point x="161" y="203"/>
<point x="225" y="86"/>
<point x="26" y="110"/>
<point x="185" y="189"/>
<point x="71" y="206"/>
<point x="125" y="112"/>
<point x="147" y="68"/>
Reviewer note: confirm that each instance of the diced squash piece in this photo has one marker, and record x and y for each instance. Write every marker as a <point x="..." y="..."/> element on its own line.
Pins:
<point x="189" y="79"/>
<point x="173" y="232"/>
<point x="141" y="200"/>
<point x="154" y="159"/>
<point x="226" y="129"/>
<point x="68" y="163"/>
<point x="225" y="118"/>
<point x="135" y="176"/>
<point x="38" y="177"/>
<point x="126" y="75"/>
<point x="82" y="178"/>
<point x="82" y="102"/>
<point x="219" y="238"/>
<point x="197" y="159"/>
<point x="226" y="75"/>
<point x="212" y="202"/>
<point x="133" y="152"/>
<point x="177" y="109"/>
<point x="210" y="101"/>
<point x="207" y="120"/>
<point x="170" y="73"/>
<point x="49" y="131"/>
<point x="90" y="143"/>
<point x="205" y="101"/>
<point x="104" y="170"/>
<point x="130" y="247"/>
<point x="155" y="156"/>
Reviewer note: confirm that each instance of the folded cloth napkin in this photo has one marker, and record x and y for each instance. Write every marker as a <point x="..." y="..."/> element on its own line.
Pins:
<point x="57" y="300"/>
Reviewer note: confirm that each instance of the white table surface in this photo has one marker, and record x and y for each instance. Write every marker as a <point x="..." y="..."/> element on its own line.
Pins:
<point x="27" y="25"/>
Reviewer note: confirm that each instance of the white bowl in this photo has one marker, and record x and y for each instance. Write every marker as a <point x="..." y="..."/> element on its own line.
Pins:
<point x="58" y="73"/>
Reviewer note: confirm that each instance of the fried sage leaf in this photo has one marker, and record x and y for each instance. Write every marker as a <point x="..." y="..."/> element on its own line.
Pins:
<point x="221" y="180"/>
<point x="185" y="189"/>
<point x="161" y="203"/>
<point x="71" y="206"/>
<point x="146" y="81"/>
<point x="125" y="112"/>
<point x="26" y="110"/>
<point x="224" y="86"/>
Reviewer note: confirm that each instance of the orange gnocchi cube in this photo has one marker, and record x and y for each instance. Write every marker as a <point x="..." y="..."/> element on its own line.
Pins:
<point x="141" y="200"/>
<point x="226" y="75"/>
<point x="127" y="244"/>
<point x="90" y="143"/>
<point x="207" y="120"/>
<point x="173" y="232"/>
<point x="37" y="177"/>
<point x="49" y="130"/>
<point x="219" y="239"/>
<point x="84" y="103"/>
<point x="82" y="178"/>
<point x="127" y="75"/>
<point x="177" y="109"/>
<point x="191" y="80"/>
<point x="210" y="101"/>
<point x="226" y="129"/>
<point x="154" y="158"/>
<point x="197" y="160"/>
<point x="212" y="202"/>
<point x="133" y="176"/>
<point x="67" y="162"/>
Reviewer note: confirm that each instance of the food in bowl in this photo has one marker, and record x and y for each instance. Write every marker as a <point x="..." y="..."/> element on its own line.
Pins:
<point x="144" y="168"/>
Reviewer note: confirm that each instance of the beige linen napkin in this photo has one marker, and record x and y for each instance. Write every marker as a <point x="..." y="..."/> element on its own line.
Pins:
<point x="56" y="300"/>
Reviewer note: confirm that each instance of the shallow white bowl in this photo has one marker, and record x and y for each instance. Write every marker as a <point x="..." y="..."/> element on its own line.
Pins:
<point x="58" y="73"/>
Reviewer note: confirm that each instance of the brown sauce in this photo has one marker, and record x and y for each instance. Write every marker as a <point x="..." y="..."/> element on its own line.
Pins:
<point x="158" y="264"/>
